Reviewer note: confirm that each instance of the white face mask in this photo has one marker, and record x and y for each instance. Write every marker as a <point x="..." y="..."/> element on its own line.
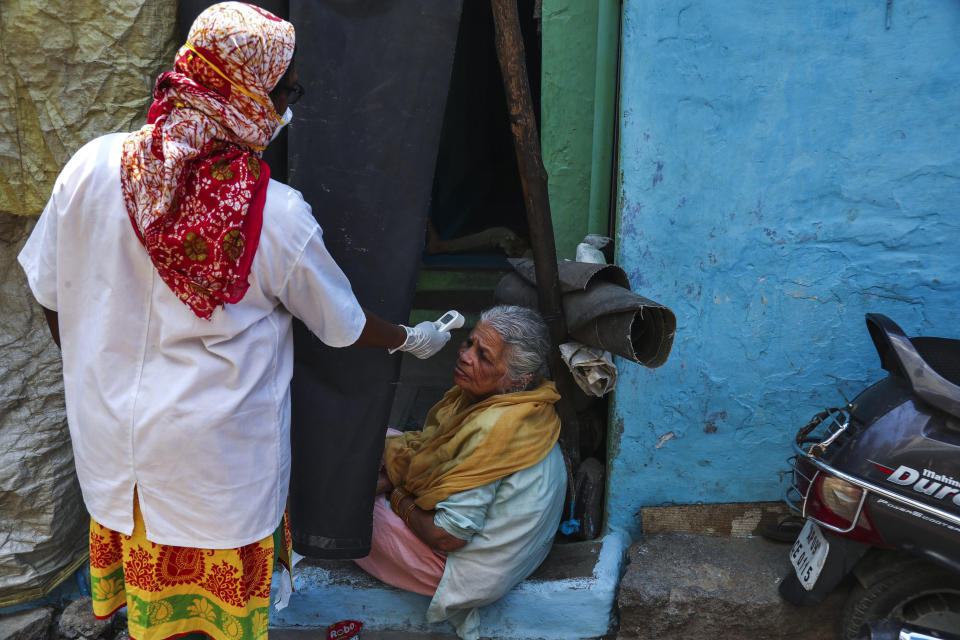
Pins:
<point x="284" y="121"/>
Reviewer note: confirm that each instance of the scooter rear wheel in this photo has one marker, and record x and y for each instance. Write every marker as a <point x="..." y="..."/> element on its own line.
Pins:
<point x="924" y="594"/>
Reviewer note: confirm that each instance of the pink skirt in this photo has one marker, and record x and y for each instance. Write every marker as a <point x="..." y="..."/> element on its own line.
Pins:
<point x="398" y="557"/>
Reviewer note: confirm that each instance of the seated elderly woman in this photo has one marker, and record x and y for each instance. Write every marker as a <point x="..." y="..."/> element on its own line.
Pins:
<point x="475" y="496"/>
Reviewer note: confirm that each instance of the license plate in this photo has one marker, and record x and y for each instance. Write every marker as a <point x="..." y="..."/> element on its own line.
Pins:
<point x="809" y="554"/>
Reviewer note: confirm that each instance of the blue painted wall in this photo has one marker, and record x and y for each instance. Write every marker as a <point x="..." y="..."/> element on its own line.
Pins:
<point x="785" y="167"/>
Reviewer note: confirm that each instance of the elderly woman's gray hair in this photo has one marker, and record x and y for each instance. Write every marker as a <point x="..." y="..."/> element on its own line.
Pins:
<point x="526" y="336"/>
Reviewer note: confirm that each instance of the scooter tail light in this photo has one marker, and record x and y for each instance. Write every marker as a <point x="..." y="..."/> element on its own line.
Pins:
<point x="840" y="497"/>
<point x="836" y="503"/>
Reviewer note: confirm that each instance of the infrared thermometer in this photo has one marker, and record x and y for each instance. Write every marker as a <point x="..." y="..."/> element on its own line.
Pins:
<point x="448" y="321"/>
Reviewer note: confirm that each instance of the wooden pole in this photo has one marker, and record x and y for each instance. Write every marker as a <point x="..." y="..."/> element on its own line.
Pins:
<point x="533" y="176"/>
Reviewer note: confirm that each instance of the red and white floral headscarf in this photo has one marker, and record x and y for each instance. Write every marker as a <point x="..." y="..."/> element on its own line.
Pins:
<point x="193" y="181"/>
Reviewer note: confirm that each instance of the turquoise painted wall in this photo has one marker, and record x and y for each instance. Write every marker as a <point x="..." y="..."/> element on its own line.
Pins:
<point x="785" y="167"/>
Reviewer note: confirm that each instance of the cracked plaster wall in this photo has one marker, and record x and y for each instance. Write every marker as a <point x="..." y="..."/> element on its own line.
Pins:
<point x="785" y="168"/>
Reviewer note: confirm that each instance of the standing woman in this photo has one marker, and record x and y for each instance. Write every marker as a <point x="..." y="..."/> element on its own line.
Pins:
<point x="169" y="267"/>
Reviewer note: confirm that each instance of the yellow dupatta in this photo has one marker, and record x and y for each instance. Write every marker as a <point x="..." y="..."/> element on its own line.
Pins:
<point x="463" y="446"/>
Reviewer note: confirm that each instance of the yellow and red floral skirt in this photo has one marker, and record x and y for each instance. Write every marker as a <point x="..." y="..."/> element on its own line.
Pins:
<point x="173" y="591"/>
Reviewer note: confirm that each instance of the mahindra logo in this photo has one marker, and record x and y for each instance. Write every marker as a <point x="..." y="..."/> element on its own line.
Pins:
<point x="928" y="483"/>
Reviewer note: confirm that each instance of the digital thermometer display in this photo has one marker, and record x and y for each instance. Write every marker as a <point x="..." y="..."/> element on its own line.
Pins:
<point x="449" y="320"/>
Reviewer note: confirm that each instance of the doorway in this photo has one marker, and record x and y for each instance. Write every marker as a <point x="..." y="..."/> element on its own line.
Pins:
<point x="477" y="216"/>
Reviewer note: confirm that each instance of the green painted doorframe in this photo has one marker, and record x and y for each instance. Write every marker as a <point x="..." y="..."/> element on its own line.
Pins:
<point x="581" y="43"/>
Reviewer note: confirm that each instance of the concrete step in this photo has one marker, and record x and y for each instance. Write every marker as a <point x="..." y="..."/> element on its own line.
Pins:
<point x="32" y="624"/>
<point x="696" y="587"/>
<point x="570" y="597"/>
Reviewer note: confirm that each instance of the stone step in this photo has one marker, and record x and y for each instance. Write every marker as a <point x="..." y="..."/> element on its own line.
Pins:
<point x="696" y="587"/>
<point x="32" y="624"/>
<point x="570" y="597"/>
<point x="320" y="634"/>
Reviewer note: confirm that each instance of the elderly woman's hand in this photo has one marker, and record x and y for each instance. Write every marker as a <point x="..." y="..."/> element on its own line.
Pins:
<point x="383" y="482"/>
<point x="420" y="521"/>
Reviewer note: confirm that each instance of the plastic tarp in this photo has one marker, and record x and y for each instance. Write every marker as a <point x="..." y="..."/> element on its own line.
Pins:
<point x="73" y="70"/>
<point x="43" y="524"/>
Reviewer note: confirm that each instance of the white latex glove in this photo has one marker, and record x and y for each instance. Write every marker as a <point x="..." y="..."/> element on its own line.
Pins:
<point x="423" y="340"/>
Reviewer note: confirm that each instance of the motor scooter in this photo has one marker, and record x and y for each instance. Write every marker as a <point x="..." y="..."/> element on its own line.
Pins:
<point x="878" y="484"/>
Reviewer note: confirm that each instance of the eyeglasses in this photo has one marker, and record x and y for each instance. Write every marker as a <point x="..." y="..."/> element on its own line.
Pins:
<point x="294" y="93"/>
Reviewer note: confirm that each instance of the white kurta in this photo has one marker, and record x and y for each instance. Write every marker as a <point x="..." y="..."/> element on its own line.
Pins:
<point x="195" y="413"/>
